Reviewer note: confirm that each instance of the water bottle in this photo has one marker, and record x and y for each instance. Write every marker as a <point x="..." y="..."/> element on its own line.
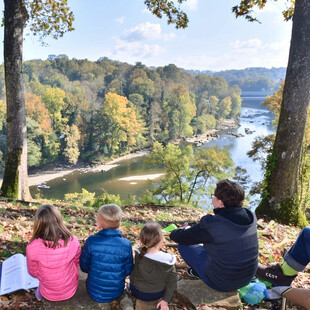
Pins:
<point x="253" y="293"/>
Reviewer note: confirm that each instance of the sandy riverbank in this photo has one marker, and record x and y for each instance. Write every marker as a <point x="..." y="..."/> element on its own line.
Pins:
<point x="45" y="176"/>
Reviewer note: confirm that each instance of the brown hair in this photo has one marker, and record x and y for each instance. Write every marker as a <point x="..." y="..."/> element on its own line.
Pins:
<point x="230" y="193"/>
<point x="109" y="216"/>
<point x="150" y="236"/>
<point x="49" y="226"/>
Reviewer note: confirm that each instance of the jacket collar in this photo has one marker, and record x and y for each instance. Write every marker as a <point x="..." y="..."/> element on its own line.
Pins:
<point x="110" y="232"/>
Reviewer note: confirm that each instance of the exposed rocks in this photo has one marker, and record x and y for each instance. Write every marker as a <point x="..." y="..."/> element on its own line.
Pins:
<point x="199" y="293"/>
<point x="235" y="134"/>
<point x="248" y="131"/>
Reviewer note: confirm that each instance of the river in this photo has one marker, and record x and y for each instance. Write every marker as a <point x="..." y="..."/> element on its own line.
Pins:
<point x="253" y="116"/>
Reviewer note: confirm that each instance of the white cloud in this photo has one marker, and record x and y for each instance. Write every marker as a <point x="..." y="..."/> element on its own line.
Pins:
<point x="240" y="56"/>
<point x="134" y="51"/>
<point x="146" y="31"/>
<point x="120" y="19"/>
<point x="191" y="5"/>
<point x="249" y="44"/>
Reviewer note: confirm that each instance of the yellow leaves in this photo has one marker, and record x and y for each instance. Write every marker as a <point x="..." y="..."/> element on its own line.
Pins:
<point x="71" y="151"/>
<point x="115" y="104"/>
<point x="50" y="17"/>
<point x="122" y="117"/>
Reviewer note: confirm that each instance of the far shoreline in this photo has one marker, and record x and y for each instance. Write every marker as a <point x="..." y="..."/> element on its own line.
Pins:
<point x="45" y="176"/>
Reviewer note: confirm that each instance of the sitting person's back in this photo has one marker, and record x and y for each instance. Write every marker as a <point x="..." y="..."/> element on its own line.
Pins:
<point x="154" y="275"/>
<point x="53" y="255"/>
<point x="107" y="257"/>
<point x="229" y="256"/>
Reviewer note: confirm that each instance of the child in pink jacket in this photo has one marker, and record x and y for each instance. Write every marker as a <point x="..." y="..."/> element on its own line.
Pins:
<point x="53" y="255"/>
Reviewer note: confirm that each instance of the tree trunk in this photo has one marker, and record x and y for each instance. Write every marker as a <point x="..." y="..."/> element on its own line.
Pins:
<point x="281" y="179"/>
<point x="15" y="178"/>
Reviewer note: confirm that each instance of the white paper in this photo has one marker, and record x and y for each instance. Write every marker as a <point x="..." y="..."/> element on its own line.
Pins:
<point x="15" y="275"/>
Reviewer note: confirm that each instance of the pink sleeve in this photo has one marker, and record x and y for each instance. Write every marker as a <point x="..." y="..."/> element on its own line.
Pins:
<point x="32" y="264"/>
<point x="78" y="251"/>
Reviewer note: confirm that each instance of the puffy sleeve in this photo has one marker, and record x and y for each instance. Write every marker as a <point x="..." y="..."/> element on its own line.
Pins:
<point x="77" y="255"/>
<point x="32" y="263"/>
<point x="85" y="257"/>
<point x="129" y="264"/>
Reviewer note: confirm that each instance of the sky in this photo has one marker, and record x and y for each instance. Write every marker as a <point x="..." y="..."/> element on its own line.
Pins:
<point x="125" y="30"/>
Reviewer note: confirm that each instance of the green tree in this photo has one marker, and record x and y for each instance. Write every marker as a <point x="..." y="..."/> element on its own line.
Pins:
<point x="181" y="109"/>
<point x="280" y="194"/>
<point x="144" y="87"/>
<point x="155" y="121"/>
<point x="202" y="103"/>
<point x="34" y="138"/>
<point x="274" y="102"/>
<point x="213" y="102"/>
<point x="138" y="101"/>
<point x="223" y="108"/>
<point x="54" y="101"/>
<point x="204" y="122"/>
<point x="235" y="105"/>
<point x="172" y="72"/>
<point x="187" y="174"/>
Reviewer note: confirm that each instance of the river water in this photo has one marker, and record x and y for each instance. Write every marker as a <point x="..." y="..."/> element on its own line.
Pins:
<point x="253" y="116"/>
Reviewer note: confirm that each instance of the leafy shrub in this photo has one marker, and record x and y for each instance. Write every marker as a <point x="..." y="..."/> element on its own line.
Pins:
<point x="80" y="199"/>
<point x="107" y="199"/>
<point x="147" y="196"/>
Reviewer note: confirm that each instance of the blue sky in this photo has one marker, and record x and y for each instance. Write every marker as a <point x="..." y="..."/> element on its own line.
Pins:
<point x="214" y="40"/>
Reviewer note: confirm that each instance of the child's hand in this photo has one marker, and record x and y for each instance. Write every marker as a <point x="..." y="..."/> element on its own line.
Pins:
<point x="137" y="245"/>
<point x="162" y="305"/>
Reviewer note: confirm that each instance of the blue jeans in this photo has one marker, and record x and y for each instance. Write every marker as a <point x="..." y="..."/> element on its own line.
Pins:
<point x="146" y="296"/>
<point x="195" y="256"/>
<point x="298" y="256"/>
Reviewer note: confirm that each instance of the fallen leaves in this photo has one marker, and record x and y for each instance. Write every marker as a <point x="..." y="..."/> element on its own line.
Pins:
<point x="16" y="231"/>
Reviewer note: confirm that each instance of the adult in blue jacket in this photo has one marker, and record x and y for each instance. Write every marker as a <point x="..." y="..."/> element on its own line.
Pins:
<point x="228" y="257"/>
<point x="107" y="257"/>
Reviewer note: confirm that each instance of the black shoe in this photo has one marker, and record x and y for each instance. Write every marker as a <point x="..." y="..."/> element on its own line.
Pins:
<point x="192" y="273"/>
<point x="274" y="275"/>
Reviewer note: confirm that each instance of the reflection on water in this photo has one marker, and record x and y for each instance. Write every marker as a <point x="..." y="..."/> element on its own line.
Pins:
<point x="256" y="120"/>
<point x="105" y="181"/>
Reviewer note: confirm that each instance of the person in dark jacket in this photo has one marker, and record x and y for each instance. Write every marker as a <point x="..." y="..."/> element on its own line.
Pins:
<point x="228" y="257"/>
<point x="107" y="257"/>
<point x="154" y="276"/>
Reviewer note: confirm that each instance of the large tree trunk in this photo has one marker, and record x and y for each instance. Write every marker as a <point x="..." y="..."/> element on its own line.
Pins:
<point x="15" y="178"/>
<point x="280" y="196"/>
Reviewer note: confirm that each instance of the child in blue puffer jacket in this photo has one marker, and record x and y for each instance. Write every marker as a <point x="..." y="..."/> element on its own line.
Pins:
<point x="107" y="257"/>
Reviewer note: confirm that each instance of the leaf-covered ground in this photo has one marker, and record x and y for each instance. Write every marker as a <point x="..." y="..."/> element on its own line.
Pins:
<point x="16" y="229"/>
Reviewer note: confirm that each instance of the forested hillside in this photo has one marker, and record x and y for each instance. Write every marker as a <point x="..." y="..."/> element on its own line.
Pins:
<point x="250" y="79"/>
<point x="84" y="110"/>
